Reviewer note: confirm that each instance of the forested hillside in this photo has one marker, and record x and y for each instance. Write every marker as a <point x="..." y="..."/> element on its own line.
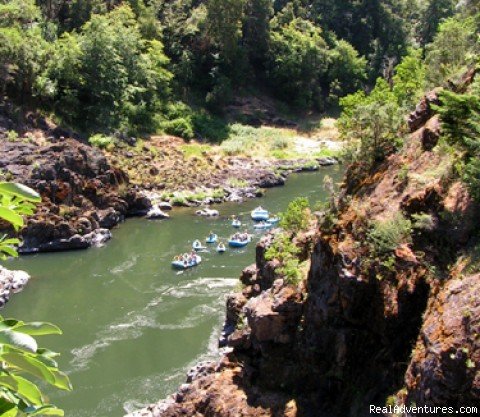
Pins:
<point x="140" y="66"/>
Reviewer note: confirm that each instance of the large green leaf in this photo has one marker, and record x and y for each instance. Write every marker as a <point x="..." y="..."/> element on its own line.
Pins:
<point x="13" y="412"/>
<point x="23" y="388"/>
<point x="12" y="241"/>
<point x="5" y="405"/>
<point x="11" y="217"/>
<point x="19" y="190"/>
<point x="61" y="380"/>
<point x="30" y="365"/>
<point x="19" y="340"/>
<point x="47" y="410"/>
<point x="38" y="329"/>
<point x="8" y="250"/>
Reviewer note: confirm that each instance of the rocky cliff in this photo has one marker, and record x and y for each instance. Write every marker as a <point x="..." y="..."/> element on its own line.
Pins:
<point x="364" y="328"/>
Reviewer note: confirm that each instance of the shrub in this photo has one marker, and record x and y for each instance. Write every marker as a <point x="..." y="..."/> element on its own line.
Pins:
<point x="211" y="128"/>
<point x="423" y="221"/>
<point x="297" y="217"/>
<point x="286" y="252"/>
<point x="178" y="121"/>
<point x="12" y="136"/>
<point x="231" y="148"/>
<point x="181" y="127"/>
<point x="386" y="235"/>
<point x="102" y="141"/>
<point x="280" y="143"/>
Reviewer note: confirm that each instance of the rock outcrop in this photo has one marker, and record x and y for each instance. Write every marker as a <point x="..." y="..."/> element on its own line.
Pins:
<point x="444" y="370"/>
<point x="81" y="193"/>
<point x="11" y="282"/>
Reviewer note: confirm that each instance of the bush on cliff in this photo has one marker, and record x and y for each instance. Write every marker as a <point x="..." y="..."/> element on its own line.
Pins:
<point x="297" y="216"/>
<point x="387" y="235"/>
<point x="286" y="252"/>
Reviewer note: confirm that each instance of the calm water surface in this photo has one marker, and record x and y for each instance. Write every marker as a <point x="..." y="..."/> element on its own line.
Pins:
<point x="132" y="325"/>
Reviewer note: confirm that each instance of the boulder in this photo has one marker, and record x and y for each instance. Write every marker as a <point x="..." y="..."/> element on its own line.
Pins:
<point x="207" y="213"/>
<point x="11" y="282"/>
<point x="431" y="133"/>
<point x="155" y="213"/>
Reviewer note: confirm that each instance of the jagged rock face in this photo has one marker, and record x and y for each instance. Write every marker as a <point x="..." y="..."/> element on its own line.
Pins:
<point x="356" y="329"/>
<point x="423" y="111"/>
<point x="431" y="133"/>
<point x="80" y="193"/>
<point x="445" y="367"/>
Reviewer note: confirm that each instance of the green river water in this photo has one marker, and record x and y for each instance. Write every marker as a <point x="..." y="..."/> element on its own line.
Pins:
<point x="132" y="325"/>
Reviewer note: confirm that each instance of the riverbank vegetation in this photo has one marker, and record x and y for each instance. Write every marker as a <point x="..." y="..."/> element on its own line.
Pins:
<point x="128" y="68"/>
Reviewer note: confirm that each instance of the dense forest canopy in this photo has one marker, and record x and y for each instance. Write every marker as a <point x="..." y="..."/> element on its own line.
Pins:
<point x="127" y="66"/>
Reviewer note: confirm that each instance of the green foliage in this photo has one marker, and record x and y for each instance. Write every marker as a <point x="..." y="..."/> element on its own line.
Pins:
<point x="451" y="49"/>
<point x="113" y="67"/>
<point x="224" y="25"/>
<point x="210" y="127"/>
<point x="298" y="60"/>
<point x="286" y="252"/>
<point x="16" y="200"/>
<point x="423" y="221"/>
<point x="431" y="17"/>
<point x="346" y="71"/>
<point x="460" y="115"/>
<point x="12" y="136"/>
<point x="409" y="79"/>
<point x="386" y="235"/>
<point x="22" y="48"/>
<point x="101" y="141"/>
<point x="371" y="124"/>
<point x="297" y="216"/>
<point x="20" y="355"/>
<point x="178" y="127"/>
<point x="377" y="29"/>
<point x="107" y="76"/>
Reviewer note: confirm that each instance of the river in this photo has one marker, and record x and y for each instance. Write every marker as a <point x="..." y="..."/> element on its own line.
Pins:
<point x="132" y="325"/>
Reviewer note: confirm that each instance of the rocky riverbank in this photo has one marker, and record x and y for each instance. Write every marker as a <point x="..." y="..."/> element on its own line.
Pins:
<point x="362" y="329"/>
<point x="87" y="191"/>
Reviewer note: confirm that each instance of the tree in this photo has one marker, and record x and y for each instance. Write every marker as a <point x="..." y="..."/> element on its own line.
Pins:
<point x="371" y="125"/>
<point x="409" y="79"/>
<point x="108" y="77"/>
<point x="297" y="63"/>
<point x="22" y="48"/>
<point x="460" y="116"/>
<point x="450" y="50"/>
<point x="224" y="26"/>
<point x="20" y="354"/>
<point x="432" y="15"/>
<point x="255" y="30"/>
<point x="346" y="70"/>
